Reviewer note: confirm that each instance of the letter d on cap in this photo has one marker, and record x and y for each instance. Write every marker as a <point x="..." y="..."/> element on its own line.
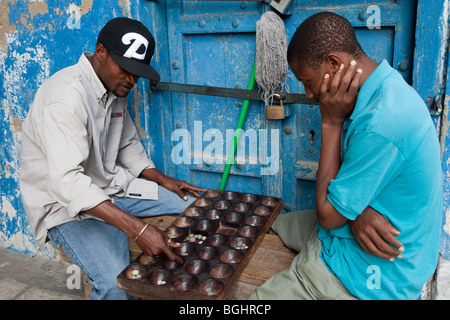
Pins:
<point x="138" y="41"/>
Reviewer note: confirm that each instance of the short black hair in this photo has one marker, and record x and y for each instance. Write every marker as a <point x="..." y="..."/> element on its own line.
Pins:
<point x="319" y="35"/>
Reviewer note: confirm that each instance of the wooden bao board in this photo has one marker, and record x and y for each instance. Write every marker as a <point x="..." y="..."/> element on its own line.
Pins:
<point x="219" y="233"/>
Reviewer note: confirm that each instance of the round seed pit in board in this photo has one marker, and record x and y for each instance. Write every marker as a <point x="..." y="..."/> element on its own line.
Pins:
<point x="269" y="201"/>
<point x="241" y="207"/>
<point x="210" y="287"/>
<point x="240" y="243"/>
<point x="230" y="195"/>
<point x="220" y="271"/>
<point x="174" y="232"/>
<point x="222" y="204"/>
<point x="248" y="231"/>
<point x="135" y="271"/>
<point x="231" y="256"/>
<point x="262" y="210"/>
<point x="193" y="212"/>
<point x="184" y="282"/>
<point x="211" y="193"/>
<point x="248" y="197"/>
<point x="208" y="253"/>
<point x="184" y="221"/>
<point x="217" y="240"/>
<point x="159" y="277"/>
<point x="196" y="266"/>
<point x="214" y="214"/>
<point x="204" y="225"/>
<point x="185" y="249"/>
<point x="255" y="221"/>
<point x="233" y="217"/>
<point x="202" y="202"/>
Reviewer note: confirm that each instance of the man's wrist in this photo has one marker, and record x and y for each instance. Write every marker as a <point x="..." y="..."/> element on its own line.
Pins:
<point x="332" y="124"/>
<point x="154" y="175"/>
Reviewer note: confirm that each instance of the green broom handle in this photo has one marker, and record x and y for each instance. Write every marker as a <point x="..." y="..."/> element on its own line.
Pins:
<point x="237" y="132"/>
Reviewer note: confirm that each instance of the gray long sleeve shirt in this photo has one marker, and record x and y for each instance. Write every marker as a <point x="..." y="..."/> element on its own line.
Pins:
<point x="79" y="148"/>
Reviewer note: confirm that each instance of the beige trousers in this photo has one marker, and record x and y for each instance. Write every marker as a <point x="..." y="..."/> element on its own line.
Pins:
<point x="307" y="278"/>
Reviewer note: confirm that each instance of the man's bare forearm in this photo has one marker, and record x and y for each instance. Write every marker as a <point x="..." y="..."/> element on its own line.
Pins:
<point x="118" y="218"/>
<point x="329" y="164"/>
<point x="337" y="101"/>
<point x="154" y="175"/>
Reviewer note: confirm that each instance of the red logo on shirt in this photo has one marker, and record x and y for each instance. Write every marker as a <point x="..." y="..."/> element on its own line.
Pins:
<point x="117" y="115"/>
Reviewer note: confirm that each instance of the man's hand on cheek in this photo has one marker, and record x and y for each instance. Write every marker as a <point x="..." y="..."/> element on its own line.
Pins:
<point x="338" y="94"/>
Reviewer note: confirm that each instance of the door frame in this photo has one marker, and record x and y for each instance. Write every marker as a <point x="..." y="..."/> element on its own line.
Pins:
<point x="430" y="52"/>
<point x="431" y="79"/>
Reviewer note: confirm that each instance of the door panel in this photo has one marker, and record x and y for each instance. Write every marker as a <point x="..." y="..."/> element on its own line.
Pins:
<point x="213" y="44"/>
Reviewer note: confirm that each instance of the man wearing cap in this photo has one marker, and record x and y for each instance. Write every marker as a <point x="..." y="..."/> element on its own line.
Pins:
<point x="85" y="176"/>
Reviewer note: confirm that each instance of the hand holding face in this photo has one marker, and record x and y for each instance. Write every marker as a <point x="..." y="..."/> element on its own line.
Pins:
<point x="338" y="95"/>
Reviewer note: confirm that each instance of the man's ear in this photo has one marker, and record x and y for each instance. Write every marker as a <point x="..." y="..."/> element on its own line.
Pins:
<point x="100" y="52"/>
<point x="333" y="62"/>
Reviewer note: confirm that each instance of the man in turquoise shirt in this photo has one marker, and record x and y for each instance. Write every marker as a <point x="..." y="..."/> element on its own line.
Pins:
<point x="379" y="183"/>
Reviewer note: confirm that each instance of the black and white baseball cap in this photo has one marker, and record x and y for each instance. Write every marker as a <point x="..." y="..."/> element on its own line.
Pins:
<point x="131" y="45"/>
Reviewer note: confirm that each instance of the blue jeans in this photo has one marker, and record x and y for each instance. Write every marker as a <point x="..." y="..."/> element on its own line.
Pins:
<point x="101" y="250"/>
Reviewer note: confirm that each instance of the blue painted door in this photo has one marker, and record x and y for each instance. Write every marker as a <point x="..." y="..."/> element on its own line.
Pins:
<point x="213" y="43"/>
<point x="445" y="143"/>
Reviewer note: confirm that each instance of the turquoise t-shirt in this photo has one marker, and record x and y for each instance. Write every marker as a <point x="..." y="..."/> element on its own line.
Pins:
<point x="390" y="162"/>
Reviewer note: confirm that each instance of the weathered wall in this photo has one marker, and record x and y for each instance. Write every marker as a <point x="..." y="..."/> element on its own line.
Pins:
<point x="38" y="38"/>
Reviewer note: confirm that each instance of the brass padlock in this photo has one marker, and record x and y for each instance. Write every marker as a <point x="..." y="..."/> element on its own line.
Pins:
<point x="275" y="112"/>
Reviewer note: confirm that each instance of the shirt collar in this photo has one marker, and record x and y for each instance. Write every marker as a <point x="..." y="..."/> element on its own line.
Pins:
<point x="100" y="91"/>
<point x="370" y="86"/>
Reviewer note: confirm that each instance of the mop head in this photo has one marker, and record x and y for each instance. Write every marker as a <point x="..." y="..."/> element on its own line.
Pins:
<point x="271" y="55"/>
